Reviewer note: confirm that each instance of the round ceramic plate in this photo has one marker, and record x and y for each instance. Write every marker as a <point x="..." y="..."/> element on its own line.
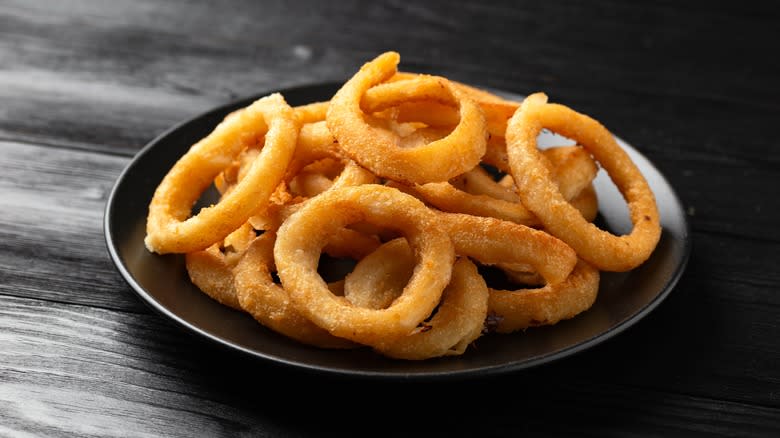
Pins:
<point x="162" y="281"/>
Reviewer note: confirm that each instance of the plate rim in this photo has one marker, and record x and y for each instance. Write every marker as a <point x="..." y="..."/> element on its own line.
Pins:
<point x="483" y="371"/>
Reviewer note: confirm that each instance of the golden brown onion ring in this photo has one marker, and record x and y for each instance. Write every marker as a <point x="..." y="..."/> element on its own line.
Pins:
<point x="377" y="150"/>
<point x="519" y="309"/>
<point x="573" y="171"/>
<point x="211" y="270"/>
<point x="479" y="181"/>
<point x="478" y="94"/>
<point x="491" y="241"/>
<point x="304" y="234"/>
<point x="587" y="203"/>
<point x="438" y="113"/>
<point x="310" y="184"/>
<point x="522" y="273"/>
<point x="495" y="154"/>
<point x="423" y="99"/>
<point x="312" y="112"/>
<point x="269" y="304"/>
<point x="539" y="193"/>
<point x="459" y="320"/>
<point x="168" y="227"/>
<point x="379" y="277"/>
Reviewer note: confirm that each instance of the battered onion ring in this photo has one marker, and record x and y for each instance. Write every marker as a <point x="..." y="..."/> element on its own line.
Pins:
<point x="211" y="270"/>
<point x="522" y="273"/>
<point x="379" y="277"/>
<point x="316" y="177"/>
<point x="310" y="184"/>
<point x="496" y="109"/>
<point x="441" y="115"/>
<point x="427" y="89"/>
<point x="344" y="242"/>
<point x="478" y="181"/>
<point x="376" y="149"/>
<point x="571" y="285"/>
<point x="587" y="203"/>
<point x="458" y="321"/>
<point x="315" y="142"/>
<point x="491" y="241"/>
<point x="423" y="99"/>
<point x="478" y="94"/>
<point x="168" y="229"/>
<point x="523" y="308"/>
<point x="540" y="194"/>
<point x="495" y="154"/>
<point x="269" y="304"/>
<point x="302" y="236"/>
<point x="351" y="243"/>
<point x="347" y="242"/>
<point x="573" y="171"/>
<point x="236" y="171"/>
<point x="312" y="112"/>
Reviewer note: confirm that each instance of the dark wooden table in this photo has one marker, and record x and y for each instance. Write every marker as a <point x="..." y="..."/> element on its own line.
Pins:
<point x="85" y="84"/>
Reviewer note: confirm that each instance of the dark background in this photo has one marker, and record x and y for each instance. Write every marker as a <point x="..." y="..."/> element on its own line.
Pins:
<point x="85" y="84"/>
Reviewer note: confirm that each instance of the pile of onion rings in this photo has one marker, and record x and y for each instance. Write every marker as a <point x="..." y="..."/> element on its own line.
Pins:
<point x="424" y="184"/>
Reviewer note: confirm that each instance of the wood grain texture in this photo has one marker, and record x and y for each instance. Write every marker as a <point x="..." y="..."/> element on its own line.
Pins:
<point x="51" y="226"/>
<point x="69" y="369"/>
<point x="113" y="77"/>
<point x="84" y="84"/>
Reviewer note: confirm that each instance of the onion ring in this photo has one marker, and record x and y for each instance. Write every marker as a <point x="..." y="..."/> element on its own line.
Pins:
<point x="437" y="112"/>
<point x="379" y="277"/>
<point x="519" y="309"/>
<point x="269" y="304"/>
<point x="522" y="273"/>
<point x="491" y="241"/>
<point x="571" y="284"/>
<point x="587" y="203"/>
<point x="459" y="320"/>
<point x="353" y="177"/>
<point x="312" y="112"/>
<point x="478" y="94"/>
<point x="302" y="236"/>
<point x="478" y="181"/>
<point x="376" y="149"/>
<point x="211" y="270"/>
<point x="573" y="170"/>
<point x="310" y="184"/>
<point x="168" y="227"/>
<point x="539" y="193"/>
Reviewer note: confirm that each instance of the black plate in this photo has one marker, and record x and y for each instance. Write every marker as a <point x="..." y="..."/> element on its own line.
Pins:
<point x="162" y="281"/>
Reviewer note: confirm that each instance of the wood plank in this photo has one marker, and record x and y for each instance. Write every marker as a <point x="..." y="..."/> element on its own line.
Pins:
<point x="122" y="75"/>
<point x="715" y="334"/>
<point x="51" y="226"/>
<point x="126" y="73"/>
<point x="723" y="195"/>
<point x="74" y="370"/>
<point x="69" y="369"/>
